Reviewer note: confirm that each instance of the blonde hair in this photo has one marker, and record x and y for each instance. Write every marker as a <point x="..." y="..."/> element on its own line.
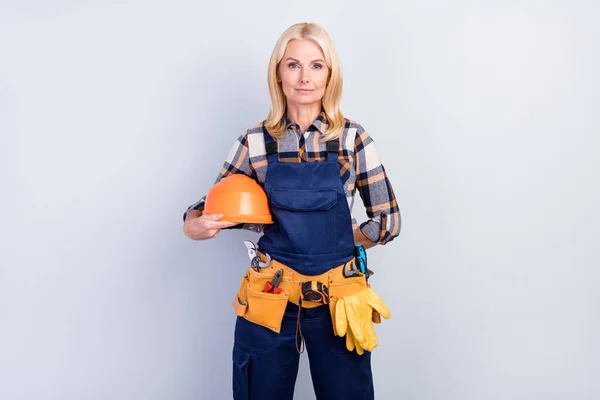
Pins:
<point x="333" y="92"/>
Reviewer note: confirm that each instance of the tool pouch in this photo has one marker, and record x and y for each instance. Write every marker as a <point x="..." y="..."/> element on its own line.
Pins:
<point x="341" y="286"/>
<point x="256" y="306"/>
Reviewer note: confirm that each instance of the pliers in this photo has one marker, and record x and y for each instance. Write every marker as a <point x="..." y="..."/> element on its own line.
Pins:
<point x="254" y="258"/>
<point x="272" y="287"/>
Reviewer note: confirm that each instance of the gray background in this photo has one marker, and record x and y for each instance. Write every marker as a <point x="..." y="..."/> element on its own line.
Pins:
<point x="115" y="115"/>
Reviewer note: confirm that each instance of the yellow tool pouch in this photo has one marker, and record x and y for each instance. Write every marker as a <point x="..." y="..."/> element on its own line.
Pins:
<point x="255" y="305"/>
<point x="267" y="309"/>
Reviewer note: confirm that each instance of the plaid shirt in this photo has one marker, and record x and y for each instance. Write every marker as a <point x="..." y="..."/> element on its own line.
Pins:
<point x="360" y="169"/>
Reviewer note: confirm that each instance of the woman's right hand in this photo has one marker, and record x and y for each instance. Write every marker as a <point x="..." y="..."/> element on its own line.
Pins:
<point x="201" y="227"/>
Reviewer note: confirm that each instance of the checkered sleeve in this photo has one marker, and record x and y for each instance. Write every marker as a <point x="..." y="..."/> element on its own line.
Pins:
<point x="237" y="162"/>
<point x="375" y="191"/>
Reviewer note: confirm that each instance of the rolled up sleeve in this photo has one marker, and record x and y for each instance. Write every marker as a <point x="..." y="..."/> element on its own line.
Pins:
<point x="376" y="192"/>
<point x="199" y="205"/>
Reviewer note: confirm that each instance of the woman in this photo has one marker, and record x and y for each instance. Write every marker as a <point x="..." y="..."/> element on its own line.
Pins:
<point x="310" y="160"/>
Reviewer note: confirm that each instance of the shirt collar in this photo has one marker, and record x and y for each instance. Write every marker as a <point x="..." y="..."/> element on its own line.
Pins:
<point x="320" y="124"/>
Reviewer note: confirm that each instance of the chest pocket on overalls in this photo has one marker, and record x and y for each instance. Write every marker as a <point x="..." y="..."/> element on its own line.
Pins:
<point x="310" y="217"/>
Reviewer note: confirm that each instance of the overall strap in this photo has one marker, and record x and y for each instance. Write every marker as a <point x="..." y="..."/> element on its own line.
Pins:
<point x="270" y="146"/>
<point x="333" y="148"/>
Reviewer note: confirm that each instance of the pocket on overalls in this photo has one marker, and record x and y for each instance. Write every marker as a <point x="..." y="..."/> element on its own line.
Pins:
<point x="265" y="309"/>
<point x="303" y="210"/>
<point x="241" y="374"/>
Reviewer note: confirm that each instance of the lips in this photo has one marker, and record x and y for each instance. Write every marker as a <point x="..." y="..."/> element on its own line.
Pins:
<point x="306" y="91"/>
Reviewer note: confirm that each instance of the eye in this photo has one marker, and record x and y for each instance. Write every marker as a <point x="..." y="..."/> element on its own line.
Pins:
<point x="292" y="65"/>
<point x="317" y="66"/>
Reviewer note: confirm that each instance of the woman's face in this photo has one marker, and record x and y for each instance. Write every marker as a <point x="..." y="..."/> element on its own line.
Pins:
<point x="303" y="72"/>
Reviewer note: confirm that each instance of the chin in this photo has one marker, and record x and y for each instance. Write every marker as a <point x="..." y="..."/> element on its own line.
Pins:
<point x="305" y="100"/>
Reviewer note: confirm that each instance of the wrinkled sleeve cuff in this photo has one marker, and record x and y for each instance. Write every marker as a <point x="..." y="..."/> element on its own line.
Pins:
<point x="199" y="205"/>
<point x="371" y="229"/>
<point x="378" y="231"/>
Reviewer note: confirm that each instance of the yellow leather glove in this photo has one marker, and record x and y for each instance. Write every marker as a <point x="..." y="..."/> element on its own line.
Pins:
<point x="351" y="343"/>
<point x="342" y="323"/>
<point x="354" y="314"/>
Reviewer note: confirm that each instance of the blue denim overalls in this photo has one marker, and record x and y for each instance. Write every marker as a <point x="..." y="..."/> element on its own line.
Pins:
<point x="311" y="233"/>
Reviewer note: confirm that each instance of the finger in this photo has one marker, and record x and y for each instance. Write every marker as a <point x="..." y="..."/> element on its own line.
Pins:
<point x="370" y="336"/>
<point x="218" y="224"/>
<point x="359" y="349"/>
<point x="225" y="224"/>
<point x="341" y="323"/>
<point x="213" y="217"/>
<point x="332" y="304"/>
<point x="350" y="345"/>
<point x="377" y="303"/>
<point x="381" y="308"/>
<point x="353" y="316"/>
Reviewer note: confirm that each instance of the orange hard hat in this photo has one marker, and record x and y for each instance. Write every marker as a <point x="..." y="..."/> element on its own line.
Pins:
<point x="240" y="199"/>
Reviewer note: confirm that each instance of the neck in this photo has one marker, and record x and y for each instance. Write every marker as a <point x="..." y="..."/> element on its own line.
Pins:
<point x="304" y="114"/>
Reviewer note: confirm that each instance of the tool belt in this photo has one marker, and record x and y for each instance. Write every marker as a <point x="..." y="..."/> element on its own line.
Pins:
<point x="267" y="308"/>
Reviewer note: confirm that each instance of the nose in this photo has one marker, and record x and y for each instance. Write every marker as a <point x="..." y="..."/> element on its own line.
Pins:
<point x="304" y="76"/>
